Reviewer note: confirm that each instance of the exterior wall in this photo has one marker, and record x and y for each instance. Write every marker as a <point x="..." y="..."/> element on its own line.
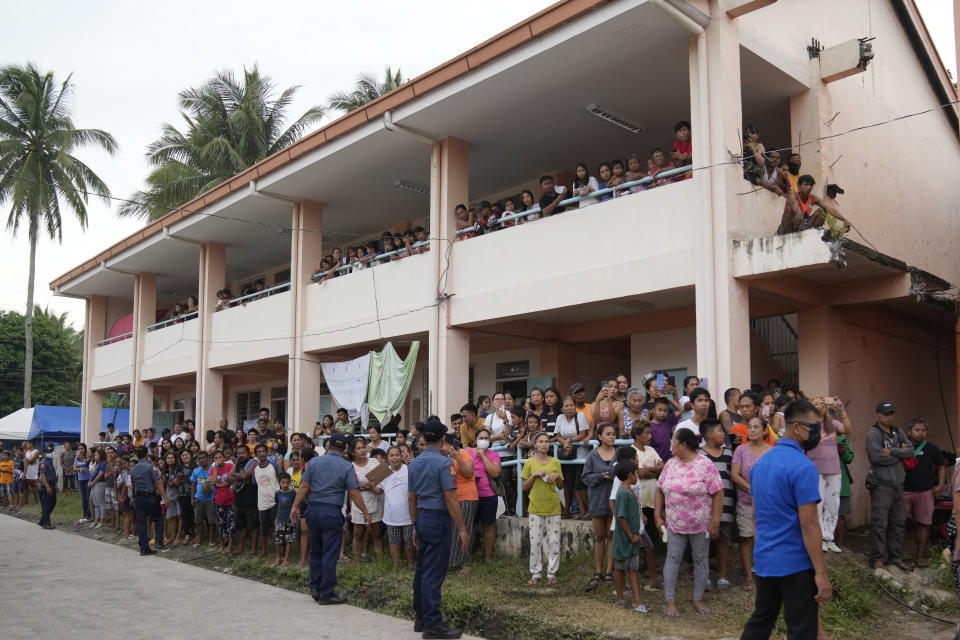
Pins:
<point x="485" y="368"/>
<point x="595" y="361"/>
<point x="910" y="216"/>
<point x="576" y="271"/>
<point x="670" y="349"/>
<point x="889" y="357"/>
<point x="116" y="308"/>
<point x="172" y="350"/>
<point x="344" y="310"/>
<point x="257" y="331"/>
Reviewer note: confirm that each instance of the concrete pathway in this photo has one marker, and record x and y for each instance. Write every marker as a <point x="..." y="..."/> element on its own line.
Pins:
<point x="54" y="584"/>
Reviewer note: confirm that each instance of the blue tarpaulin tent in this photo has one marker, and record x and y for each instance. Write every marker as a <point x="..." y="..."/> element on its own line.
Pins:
<point x="55" y="423"/>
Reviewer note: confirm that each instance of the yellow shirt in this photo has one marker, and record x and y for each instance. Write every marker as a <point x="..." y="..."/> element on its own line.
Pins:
<point x="544" y="499"/>
<point x="295" y="478"/>
<point x="6" y="472"/>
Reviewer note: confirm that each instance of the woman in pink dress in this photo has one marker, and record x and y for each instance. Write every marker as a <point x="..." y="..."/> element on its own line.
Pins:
<point x="688" y="505"/>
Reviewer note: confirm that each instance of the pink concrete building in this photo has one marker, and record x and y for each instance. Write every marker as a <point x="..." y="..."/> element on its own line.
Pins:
<point x="688" y="277"/>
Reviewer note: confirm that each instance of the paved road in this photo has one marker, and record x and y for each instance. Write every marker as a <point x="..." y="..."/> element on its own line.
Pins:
<point x="54" y="585"/>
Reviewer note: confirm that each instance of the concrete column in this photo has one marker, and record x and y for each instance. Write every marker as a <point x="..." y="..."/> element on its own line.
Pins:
<point x="303" y="370"/>
<point x="557" y="359"/>
<point x="806" y="124"/>
<point x="210" y="404"/>
<point x="144" y="314"/>
<point x="730" y="298"/>
<point x="91" y="402"/>
<point x="819" y="332"/>
<point x="449" y="357"/>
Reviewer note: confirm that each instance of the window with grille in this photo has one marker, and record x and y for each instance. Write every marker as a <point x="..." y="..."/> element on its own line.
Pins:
<point x="248" y="406"/>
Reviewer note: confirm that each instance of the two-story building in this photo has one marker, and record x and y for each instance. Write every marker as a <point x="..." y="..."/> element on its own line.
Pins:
<point x="687" y="277"/>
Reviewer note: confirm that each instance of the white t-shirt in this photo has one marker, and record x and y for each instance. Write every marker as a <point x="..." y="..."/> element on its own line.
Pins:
<point x="32" y="460"/>
<point x="686" y="415"/>
<point x="267" y="485"/>
<point x="613" y="496"/>
<point x="178" y="436"/>
<point x="373" y="501"/>
<point x="648" y="486"/>
<point x="495" y="425"/>
<point x="594" y="186"/>
<point x="396" y="509"/>
<point x="571" y="429"/>
<point x="688" y="424"/>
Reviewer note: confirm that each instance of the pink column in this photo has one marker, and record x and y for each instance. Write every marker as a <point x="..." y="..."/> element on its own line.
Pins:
<point x="210" y="402"/>
<point x="819" y="333"/>
<point x="449" y="363"/>
<point x="95" y="329"/>
<point x="144" y="314"/>
<point x="303" y="370"/>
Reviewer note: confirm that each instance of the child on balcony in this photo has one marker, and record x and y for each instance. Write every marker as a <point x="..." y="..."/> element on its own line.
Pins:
<point x="683" y="146"/>
<point x="585" y="184"/>
<point x="509" y="208"/>
<point x="635" y="172"/>
<point x="617" y="178"/>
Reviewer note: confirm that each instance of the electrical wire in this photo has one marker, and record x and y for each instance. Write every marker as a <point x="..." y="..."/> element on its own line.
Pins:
<point x="912" y="608"/>
<point x="287" y="229"/>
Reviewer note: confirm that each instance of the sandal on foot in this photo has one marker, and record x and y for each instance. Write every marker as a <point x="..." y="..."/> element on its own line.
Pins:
<point x="620" y="604"/>
<point x="747" y="586"/>
<point x="608" y="578"/>
<point x="595" y="581"/>
<point x="533" y="580"/>
<point x="671" y="615"/>
<point x="723" y="584"/>
<point x="552" y="581"/>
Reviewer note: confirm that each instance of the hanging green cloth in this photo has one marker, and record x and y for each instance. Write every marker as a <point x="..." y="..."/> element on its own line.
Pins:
<point x="390" y="380"/>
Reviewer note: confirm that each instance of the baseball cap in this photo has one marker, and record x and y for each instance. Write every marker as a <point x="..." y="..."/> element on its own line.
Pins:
<point x="577" y="387"/>
<point x="885" y="407"/>
<point x="338" y="440"/>
<point x="434" y="430"/>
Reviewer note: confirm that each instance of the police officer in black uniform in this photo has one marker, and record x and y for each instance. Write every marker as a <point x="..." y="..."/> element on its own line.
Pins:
<point x="147" y="495"/>
<point x="47" y="475"/>
<point x="434" y="509"/>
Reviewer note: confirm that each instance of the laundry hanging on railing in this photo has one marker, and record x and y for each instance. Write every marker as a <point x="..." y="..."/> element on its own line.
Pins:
<point x="390" y="380"/>
<point x="348" y="385"/>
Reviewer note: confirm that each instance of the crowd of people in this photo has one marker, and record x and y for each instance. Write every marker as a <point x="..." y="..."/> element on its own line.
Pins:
<point x="487" y="217"/>
<point x="658" y="468"/>
<point x="389" y="248"/>
<point x="780" y="174"/>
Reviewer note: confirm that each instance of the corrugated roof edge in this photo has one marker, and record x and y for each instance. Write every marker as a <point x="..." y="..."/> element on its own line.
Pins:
<point x="535" y="26"/>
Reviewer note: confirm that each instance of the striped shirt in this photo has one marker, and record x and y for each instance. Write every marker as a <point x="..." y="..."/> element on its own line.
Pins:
<point x="723" y="463"/>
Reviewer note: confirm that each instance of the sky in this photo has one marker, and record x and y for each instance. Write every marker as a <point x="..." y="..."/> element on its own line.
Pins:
<point x="130" y="59"/>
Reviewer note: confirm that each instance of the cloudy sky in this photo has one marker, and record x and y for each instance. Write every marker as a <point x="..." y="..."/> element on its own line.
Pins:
<point x="129" y="60"/>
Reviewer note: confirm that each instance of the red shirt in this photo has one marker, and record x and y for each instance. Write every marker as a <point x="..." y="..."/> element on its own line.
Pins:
<point x="222" y="496"/>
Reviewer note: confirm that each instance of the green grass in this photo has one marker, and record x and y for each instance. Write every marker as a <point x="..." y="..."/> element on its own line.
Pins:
<point x="495" y="602"/>
<point x="68" y="508"/>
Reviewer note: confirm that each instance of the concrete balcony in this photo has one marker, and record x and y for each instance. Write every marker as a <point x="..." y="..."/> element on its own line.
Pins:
<point x="259" y="330"/>
<point x="112" y="365"/>
<point x="171" y="350"/>
<point x="610" y="250"/>
<point x="344" y="310"/>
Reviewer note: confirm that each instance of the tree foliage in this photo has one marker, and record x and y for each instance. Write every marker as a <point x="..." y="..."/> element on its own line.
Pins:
<point x="57" y="358"/>
<point x="231" y="124"/>
<point x="367" y="89"/>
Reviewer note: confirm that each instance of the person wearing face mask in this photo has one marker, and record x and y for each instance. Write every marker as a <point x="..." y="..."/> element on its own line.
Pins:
<point x="486" y="470"/>
<point x="788" y="554"/>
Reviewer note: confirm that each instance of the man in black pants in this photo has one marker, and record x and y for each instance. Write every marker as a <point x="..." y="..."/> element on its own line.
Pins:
<point x="147" y="494"/>
<point x="788" y="555"/>
<point x="47" y="487"/>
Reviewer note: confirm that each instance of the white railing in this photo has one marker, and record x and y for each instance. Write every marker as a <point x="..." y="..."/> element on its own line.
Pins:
<point x="371" y="262"/>
<point x="592" y="195"/>
<point x="165" y="323"/>
<point x="122" y="336"/>
<point x="256" y="295"/>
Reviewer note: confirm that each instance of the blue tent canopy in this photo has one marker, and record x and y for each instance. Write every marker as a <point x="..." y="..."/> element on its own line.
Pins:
<point x="55" y="423"/>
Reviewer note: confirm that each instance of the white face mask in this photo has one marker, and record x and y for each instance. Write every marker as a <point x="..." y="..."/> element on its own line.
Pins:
<point x="483" y="444"/>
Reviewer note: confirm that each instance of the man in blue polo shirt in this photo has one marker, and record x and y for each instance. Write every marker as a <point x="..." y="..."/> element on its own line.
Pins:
<point x="323" y="485"/>
<point x="788" y="553"/>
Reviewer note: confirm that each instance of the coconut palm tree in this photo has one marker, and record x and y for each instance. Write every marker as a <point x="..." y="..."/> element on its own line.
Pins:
<point x="38" y="170"/>
<point x="230" y="125"/>
<point x="367" y="89"/>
